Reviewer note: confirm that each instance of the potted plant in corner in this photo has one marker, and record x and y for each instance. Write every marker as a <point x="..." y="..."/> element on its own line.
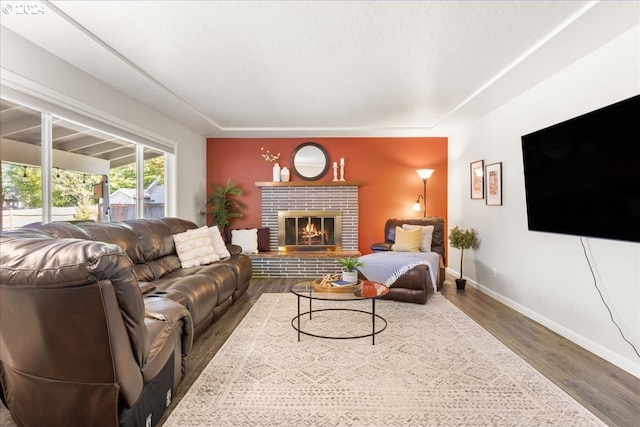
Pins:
<point x="349" y="266"/>
<point x="224" y="206"/>
<point x="462" y="239"/>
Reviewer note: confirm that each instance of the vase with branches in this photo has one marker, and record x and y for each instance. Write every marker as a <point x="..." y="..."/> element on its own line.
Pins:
<point x="223" y="205"/>
<point x="462" y="239"/>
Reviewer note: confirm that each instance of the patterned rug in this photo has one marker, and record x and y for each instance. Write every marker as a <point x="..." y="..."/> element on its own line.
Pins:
<point x="432" y="366"/>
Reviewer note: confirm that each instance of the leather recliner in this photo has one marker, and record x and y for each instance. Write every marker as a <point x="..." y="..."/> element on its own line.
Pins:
<point x="415" y="285"/>
<point x="79" y="343"/>
<point x="207" y="291"/>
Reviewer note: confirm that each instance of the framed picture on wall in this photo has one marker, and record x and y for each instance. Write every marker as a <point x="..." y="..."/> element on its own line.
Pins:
<point x="477" y="179"/>
<point x="493" y="172"/>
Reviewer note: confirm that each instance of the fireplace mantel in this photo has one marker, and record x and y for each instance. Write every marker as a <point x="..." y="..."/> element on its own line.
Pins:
<point x="309" y="184"/>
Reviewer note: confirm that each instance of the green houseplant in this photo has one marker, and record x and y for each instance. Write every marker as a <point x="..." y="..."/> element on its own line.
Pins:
<point x="349" y="266"/>
<point x="462" y="239"/>
<point x="223" y="205"/>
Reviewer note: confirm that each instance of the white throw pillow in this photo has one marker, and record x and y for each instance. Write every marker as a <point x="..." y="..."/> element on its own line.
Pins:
<point x="426" y="238"/>
<point x="194" y="247"/>
<point x="219" y="247"/>
<point x="246" y="239"/>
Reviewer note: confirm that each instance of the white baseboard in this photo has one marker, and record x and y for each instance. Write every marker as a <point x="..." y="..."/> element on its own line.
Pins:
<point x="623" y="363"/>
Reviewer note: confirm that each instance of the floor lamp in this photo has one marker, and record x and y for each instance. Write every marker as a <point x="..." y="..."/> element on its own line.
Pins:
<point x="424" y="174"/>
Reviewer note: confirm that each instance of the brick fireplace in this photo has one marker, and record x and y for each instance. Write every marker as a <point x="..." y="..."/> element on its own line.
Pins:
<point x="332" y="197"/>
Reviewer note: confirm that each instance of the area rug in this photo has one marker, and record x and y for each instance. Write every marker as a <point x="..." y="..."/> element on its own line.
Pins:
<point x="431" y="366"/>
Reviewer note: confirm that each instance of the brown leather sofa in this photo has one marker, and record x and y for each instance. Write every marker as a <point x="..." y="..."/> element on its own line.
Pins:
<point x="97" y="319"/>
<point x="415" y="285"/>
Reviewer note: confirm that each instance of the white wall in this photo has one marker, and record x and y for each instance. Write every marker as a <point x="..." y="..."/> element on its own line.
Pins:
<point x="545" y="276"/>
<point x="29" y="72"/>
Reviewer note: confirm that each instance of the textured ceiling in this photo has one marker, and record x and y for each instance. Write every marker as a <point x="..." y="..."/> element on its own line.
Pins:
<point x="323" y="68"/>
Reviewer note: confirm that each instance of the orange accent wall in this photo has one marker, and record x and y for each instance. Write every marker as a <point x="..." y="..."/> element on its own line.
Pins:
<point x="386" y="167"/>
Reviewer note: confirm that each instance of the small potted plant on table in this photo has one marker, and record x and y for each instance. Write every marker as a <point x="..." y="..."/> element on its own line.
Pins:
<point x="349" y="266"/>
<point x="462" y="239"/>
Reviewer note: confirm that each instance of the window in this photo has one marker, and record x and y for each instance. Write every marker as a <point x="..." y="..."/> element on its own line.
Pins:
<point x="21" y="195"/>
<point x="154" y="188"/>
<point x="124" y="198"/>
<point x="93" y="175"/>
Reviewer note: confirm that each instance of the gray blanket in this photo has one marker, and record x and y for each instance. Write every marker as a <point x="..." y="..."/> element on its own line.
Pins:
<point x="386" y="267"/>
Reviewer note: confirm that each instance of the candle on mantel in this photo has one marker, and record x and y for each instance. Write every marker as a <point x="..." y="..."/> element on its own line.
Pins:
<point x="335" y="164"/>
<point x="342" y="160"/>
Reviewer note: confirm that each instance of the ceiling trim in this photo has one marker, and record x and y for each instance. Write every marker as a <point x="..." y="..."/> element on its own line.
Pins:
<point x="539" y="44"/>
<point x="128" y="62"/>
<point x="551" y="40"/>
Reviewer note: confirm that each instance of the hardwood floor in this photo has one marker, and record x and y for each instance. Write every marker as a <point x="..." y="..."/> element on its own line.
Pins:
<point x="609" y="392"/>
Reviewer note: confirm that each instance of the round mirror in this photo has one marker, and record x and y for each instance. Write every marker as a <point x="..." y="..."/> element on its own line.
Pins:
<point x="310" y="161"/>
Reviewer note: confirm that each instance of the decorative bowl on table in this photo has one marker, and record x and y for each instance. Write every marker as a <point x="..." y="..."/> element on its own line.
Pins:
<point x="333" y="283"/>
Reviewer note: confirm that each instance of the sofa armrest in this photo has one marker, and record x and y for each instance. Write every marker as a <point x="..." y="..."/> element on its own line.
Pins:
<point x="146" y="287"/>
<point x="234" y="249"/>
<point x="169" y="311"/>
<point x="381" y="246"/>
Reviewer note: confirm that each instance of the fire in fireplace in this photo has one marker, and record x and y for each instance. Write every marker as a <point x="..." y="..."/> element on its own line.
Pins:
<point x="315" y="230"/>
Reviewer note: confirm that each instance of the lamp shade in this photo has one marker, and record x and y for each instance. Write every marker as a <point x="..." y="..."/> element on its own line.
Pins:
<point x="425" y="173"/>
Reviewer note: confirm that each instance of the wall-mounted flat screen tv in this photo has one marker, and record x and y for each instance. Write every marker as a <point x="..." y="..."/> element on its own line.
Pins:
<point x="582" y="176"/>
